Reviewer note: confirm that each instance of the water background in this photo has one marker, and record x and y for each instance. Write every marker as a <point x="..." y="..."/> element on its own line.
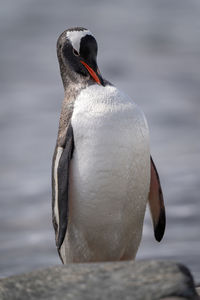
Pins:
<point x="151" y="50"/>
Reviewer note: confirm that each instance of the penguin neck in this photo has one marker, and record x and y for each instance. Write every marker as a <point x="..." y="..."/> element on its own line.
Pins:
<point x="73" y="85"/>
<point x="71" y="79"/>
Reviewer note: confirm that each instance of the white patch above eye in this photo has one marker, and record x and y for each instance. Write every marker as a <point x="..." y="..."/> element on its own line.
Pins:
<point x="76" y="36"/>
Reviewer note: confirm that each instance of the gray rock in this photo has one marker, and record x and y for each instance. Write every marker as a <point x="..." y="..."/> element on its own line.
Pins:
<point x="113" y="280"/>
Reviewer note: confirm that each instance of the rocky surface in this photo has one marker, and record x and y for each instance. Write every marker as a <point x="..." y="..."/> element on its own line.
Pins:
<point x="115" y="280"/>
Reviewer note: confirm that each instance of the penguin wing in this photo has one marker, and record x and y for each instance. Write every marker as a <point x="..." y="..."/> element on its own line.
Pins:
<point x="60" y="184"/>
<point x="156" y="204"/>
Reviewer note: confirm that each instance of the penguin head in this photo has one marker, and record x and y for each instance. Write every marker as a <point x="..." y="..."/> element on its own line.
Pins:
<point x="77" y="55"/>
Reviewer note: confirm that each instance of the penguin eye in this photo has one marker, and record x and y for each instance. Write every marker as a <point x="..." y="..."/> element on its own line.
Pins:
<point x="75" y="52"/>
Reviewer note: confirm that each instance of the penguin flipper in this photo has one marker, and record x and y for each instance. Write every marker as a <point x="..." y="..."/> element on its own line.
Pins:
<point x="61" y="184"/>
<point x="156" y="203"/>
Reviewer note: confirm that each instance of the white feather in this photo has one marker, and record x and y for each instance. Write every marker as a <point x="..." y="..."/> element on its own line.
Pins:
<point x="76" y="36"/>
<point x="109" y="176"/>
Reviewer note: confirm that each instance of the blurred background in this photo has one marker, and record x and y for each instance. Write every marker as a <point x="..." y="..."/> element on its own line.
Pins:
<point x="151" y="50"/>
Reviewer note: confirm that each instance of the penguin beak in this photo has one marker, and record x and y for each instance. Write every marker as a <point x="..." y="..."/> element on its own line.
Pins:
<point x="97" y="78"/>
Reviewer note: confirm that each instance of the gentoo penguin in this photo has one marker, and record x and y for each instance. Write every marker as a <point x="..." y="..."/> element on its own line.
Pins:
<point x="102" y="173"/>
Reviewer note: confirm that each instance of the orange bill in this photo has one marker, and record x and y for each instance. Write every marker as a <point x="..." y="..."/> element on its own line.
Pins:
<point x="92" y="73"/>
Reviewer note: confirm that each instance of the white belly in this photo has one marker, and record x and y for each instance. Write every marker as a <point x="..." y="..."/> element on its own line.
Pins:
<point x="109" y="176"/>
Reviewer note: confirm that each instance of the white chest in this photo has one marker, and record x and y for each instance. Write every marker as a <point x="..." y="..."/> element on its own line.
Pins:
<point x="109" y="177"/>
<point x="110" y="166"/>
